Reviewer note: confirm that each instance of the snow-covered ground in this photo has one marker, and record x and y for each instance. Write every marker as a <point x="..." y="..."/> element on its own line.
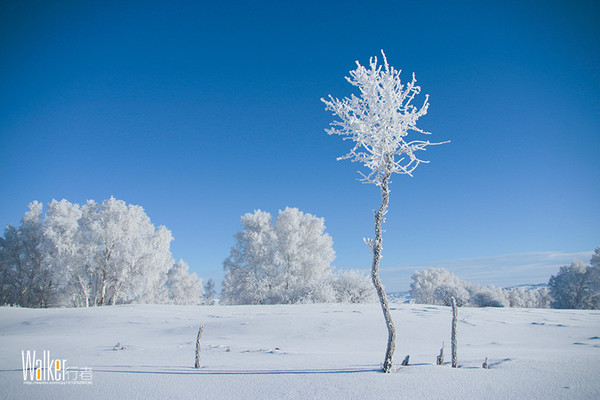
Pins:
<point x="302" y="352"/>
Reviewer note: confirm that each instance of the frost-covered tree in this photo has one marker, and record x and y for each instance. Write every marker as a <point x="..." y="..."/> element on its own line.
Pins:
<point x="183" y="287"/>
<point x="538" y="297"/>
<point x="96" y="254"/>
<point x="209" y="292"/>
<point x="26" y="279"/>
<point x="595" y="261"/>
<point x="487" y="296"/>
<point x="248" y="267"/>
<point x="352" y="287"/>
<point x="287" y="261"/>
<point x="63" y="249"/>
<point x="39" y="280"/>
<point x="11" y="267"/>
<point x="379" y="122"/>
<point x="302" y="257"/>
<point x="125" y="254"/>
<point x="445" y="293"/>
<point x="576" y="286"/>
<point x="438" y="286"/>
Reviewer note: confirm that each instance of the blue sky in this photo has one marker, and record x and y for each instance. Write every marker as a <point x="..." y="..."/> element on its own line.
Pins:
<point x="203" y="111"/>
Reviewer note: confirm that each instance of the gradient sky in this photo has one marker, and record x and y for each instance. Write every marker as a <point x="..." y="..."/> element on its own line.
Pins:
<point x="203" y="111"/>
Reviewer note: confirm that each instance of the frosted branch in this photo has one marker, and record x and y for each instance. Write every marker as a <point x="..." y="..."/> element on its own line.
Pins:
<point x="379" y="121"/>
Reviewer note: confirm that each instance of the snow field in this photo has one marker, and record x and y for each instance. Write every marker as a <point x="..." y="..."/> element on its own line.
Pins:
<point x="312" y="351"/>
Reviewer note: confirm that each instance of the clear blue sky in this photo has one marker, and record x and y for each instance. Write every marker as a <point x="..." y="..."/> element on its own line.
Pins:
<point x="203" y="111"/>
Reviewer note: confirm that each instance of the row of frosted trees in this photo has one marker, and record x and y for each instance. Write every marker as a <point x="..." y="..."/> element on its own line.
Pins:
<point x="576" y="286"/>
<point x="110" y="253"/>
<point x="95" y="254"/>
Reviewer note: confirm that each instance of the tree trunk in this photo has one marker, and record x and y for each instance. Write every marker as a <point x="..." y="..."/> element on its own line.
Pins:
<point x="376" y="247"/>
<point x="454" y="318"/>
<point x="113" y="298"/>
<point x="102" y="290"/>
<point x="84" y="291"/>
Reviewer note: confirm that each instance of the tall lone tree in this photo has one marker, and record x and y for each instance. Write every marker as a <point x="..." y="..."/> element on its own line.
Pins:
<point x="379" y="122"/>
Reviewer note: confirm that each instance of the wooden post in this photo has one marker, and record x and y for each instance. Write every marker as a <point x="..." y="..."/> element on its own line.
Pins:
<point x="454" y="318"/>
<point x="440" y="359"/>
<point x="197" y="364"/>
<point x="485" y="364"/>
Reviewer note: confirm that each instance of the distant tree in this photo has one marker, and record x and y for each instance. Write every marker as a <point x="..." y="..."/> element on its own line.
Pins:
<point x="11" y="267"/>
<point x="595" y="261"/>
<point x="209" y="292"/>
<point x="352" y="287"/>
<point x="95" y="254"/>
<point x="26" y="279"/>
<point x="445" y="293"/>
<point x="576" y="286"/>
<point x="487" y="296"/>
<point x="248" y="267"/>
<point x="378" y="122"/>
<point x="127" y="255"/>
<point x="183" y="287"/>
<point x="40" y="280"/>
<point x="438" y="286"/>
<point x="283" y="262"/>
<point x="302" y="257"/>
<point x="538" y="297"/>
<point x="63" y="249"/>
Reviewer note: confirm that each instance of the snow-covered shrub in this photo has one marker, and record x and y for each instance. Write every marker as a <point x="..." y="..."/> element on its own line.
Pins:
<point x="576" y="286"/>
<point x="353" y="287"/>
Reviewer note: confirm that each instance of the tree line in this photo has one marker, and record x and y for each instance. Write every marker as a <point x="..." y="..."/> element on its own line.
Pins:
<point x="576" y="286"/>
<point x="110" y="253"/>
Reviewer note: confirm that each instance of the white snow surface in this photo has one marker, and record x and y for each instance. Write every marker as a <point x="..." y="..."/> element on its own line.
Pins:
<point x="323" y="351"/>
